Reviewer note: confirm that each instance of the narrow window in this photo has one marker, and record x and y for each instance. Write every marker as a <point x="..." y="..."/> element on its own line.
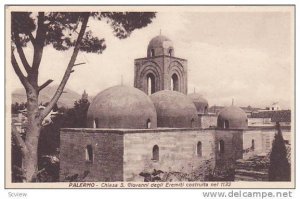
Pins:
<point x="199" y="149"/>
<point x="89" y="153"/>
<point x="253" y="144"/>
<point x="152" y="53"/>
<point x="174" y="83"/>
<point x="221" y="146"/>
<point x="150" y="84"/>
<point x="155" y="153"/>
<point x="170" y="52"/>
<point x="226" y="124"/>
<point x="148" y="125"/>
<point x="95" y="125"/>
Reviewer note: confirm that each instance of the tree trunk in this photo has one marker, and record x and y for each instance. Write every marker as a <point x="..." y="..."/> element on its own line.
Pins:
<point x="30" y="158"/>
<point x="29" y="147"/>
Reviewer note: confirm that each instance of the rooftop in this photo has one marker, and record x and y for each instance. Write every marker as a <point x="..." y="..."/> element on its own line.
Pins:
<point x="276" y="116"/>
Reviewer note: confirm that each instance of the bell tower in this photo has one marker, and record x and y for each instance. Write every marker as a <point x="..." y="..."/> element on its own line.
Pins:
<point x="160" y="70"/>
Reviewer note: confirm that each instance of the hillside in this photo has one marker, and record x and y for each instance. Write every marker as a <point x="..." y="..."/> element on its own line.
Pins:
<point x="67" y="99"/>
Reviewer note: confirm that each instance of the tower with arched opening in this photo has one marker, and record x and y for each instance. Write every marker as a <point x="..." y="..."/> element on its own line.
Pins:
<point x="160" y="70"/>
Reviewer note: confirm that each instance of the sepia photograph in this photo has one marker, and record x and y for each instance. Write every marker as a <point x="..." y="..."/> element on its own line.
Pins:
<point x="187" y="97"/>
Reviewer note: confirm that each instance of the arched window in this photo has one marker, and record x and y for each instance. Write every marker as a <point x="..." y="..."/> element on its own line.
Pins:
<point x="152" y="53"/>
<point x="226" y="124"/>
<point x="96" y="123"/>
<point x="150" y="83"/>
<point x="253" y="144"/>
<point x="155" y="153"/>
<point x="205" y="109"/>
<point x="174" y="83"/>
<point x="148" y="125"/>
<point x="89" y="153"/>
<point x="170" y="52"/>
<point x="199" y="149"/>
<point x="221" y="146"/>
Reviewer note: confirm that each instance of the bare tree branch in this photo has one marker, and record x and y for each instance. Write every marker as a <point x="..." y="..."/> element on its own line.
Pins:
<point x="79" y="64"/>
<point x="60" y="89"/>
<point x="45" y="84"/>
<point x="38" y="46"/>
<point x="21" y="53"/>
<point x="32" y="39"/>
<point x="19" y="73"/>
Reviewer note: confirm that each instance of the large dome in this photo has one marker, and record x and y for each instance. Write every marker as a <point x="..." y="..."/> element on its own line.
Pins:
<point x="232" y="117"/>
<point x="200" y="102"/>
<point x="174" y="110"/>
<point x="122" y="107"/>
<point x="160" y="45"/>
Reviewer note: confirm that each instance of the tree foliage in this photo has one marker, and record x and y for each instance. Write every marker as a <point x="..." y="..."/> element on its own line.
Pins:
<point x="76" y="117"/>
<point x="16" y="107"/>
<point x="279" y="169"/>
<point x="62" y="28"/>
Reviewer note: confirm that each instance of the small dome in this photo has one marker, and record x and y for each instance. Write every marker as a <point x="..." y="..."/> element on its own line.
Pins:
<point x="200" y="102"/>
<point x="160" y="45"/>
<point x="232" y="117"/>
<point x="122" y="107"/>
<point x="174" y="109"/>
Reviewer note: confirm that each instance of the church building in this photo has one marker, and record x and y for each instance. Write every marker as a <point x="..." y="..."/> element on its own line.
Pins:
<point x="157" y="125"/>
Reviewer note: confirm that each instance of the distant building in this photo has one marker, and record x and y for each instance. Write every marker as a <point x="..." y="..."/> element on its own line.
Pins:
<point x="269" y="118"/>
<point x="274" y="107"/>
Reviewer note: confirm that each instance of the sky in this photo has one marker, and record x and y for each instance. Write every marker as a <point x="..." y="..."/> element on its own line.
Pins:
<point x="245" y="56"/>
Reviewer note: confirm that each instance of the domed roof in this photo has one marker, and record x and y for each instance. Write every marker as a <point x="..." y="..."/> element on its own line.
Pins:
<point x="160" y="45"/>
<point x="122" y="107"/>
<point x="200" y="102"/>
<point x="232" y="117"/>
<point x="174" y="109"/>
<point x="159" y="41"/>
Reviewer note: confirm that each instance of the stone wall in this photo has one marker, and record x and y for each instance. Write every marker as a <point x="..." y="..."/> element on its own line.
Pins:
<point x="107" y="145"/>
<point x="145" y="66"/>
<point x="121" y="155"/>
<point x="263" y="138"/>
<point x="178" y="66"/>
<point x="162" y="68"/>
<point x="233" y="147"/>
<point x="207" y="121"/>
<point x="259" y="122"/>
<point x="255" y="142"/>
<point x="177" y="151"/>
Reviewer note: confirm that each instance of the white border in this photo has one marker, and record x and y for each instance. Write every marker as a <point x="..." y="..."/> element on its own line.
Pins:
<point x="125" y="193"/>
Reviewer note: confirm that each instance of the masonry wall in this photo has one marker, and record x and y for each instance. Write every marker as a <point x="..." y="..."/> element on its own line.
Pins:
<point x="263" y="138"/>
<point x="233" y="147"/>
<point x="177" y="151"/>
<point x="207" y="121"/>
<point x="107" y="154"/>
<point x="162" y="68"/>
<point x="178" y="66"/>
<point x="259" y="122"/>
